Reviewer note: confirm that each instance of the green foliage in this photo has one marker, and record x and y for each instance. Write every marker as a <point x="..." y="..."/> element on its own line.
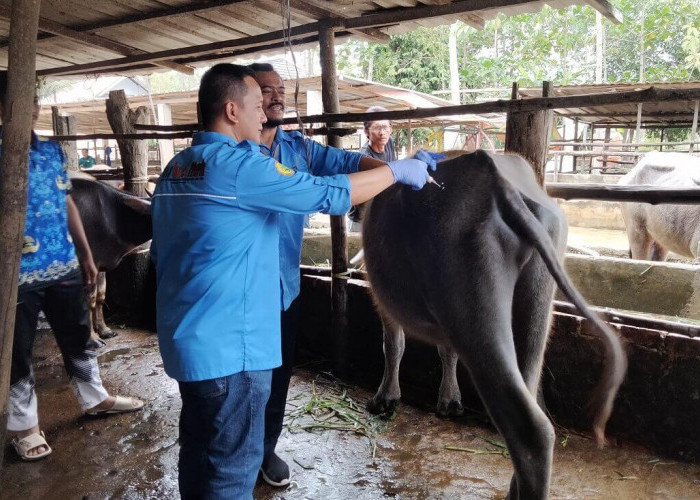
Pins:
<point x="554" y="44"/>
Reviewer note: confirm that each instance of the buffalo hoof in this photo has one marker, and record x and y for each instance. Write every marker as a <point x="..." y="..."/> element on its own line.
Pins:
<point x="450" y="409"/>
<point x="96" y="342"/>
<point x="107" y="333"/>
<point x="381" y="406"/>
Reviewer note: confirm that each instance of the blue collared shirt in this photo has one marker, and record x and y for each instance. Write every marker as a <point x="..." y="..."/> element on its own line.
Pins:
<point x="48" y="253"/>
<point x="303" y="155"/>
<point x="216" y="250"/>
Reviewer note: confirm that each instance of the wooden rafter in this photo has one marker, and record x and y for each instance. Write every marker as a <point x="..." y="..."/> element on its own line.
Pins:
<point x="321" y="10"/>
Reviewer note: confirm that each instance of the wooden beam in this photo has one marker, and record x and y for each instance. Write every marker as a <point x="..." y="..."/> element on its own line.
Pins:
<point x="89" y="39"/>
<point x="387" y="17"/>
<point x="190" y="8"/>
<point x="611" y="12"/>
<point x="639" y="194"/>
<point x="322" y="10"/>
<point x="17" y="126"/>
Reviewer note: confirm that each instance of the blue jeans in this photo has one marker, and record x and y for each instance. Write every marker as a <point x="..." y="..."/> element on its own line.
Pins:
<point x="221" y="435"/>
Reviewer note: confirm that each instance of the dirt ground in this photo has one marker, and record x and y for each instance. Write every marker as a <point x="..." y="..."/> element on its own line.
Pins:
<point x="134" y="456"/>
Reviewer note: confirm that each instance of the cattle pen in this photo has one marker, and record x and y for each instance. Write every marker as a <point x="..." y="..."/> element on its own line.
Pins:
<point x="666" y="355"/>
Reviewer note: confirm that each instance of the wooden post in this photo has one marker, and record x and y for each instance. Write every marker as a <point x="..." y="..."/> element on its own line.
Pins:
<point x="606" y="145"/>
<point x="166" y="147"/>
<point x="410" y="137"/>
<point x="638" y="133"/>
<point x="663" y="133"/>
<point x="339" y="241"/>
<point x="134" y="152"/>
<point x="694" y="129"/>
<point x="17" y="126"/>
<point x="527" y="133"/>
<point x="575" y="159"/>
<point x="66" y="125"/>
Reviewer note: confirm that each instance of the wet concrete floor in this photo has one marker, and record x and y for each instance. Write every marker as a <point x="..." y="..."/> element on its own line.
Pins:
<point x="134" y="456"/>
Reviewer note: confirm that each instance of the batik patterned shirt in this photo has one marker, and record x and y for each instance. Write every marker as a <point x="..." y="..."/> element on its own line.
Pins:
<point x="48" y="253"/>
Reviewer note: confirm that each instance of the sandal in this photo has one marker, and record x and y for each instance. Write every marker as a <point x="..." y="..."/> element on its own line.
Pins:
<point x="23" y="445"/>
<point x="121" y="405"/>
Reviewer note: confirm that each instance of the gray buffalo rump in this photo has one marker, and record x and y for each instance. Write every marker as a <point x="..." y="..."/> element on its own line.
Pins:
<point x="115" y="223"/>
<point x="654" y="230"/>
<point x="469" y="268"/>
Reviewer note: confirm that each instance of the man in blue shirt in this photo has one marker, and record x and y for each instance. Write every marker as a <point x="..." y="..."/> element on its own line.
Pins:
<point x="56" y="263"/>
<point x="304" y="155"/>
<point x="216" y="250"/>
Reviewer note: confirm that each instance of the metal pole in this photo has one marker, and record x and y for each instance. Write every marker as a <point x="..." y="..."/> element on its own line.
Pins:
<point x="17" y="126"/>
<point x="339" y="240"/>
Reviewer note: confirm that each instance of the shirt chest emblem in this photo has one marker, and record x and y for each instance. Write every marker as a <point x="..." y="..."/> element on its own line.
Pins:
<point x="282" y="170"/>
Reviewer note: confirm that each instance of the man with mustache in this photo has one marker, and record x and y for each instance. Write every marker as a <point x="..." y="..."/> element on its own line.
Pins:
<point x="304" y="155"/>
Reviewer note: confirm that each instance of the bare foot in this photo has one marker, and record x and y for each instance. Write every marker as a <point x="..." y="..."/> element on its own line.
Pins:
<point x="38" y="450"/>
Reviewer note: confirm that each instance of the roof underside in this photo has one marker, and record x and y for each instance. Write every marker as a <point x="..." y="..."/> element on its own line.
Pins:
<point x="141" y="36"/>
<point x="663" y="114"/>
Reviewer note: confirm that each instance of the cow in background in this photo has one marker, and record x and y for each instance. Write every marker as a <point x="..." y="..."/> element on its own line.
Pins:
<point x="115" y="223"/>
<point x="469" y="268"/>
<point x="654" y="230"/>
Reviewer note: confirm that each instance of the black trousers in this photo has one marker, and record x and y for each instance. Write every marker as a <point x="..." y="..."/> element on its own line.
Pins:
<point x="67" y="312"/>
<point x="274" y="411"/>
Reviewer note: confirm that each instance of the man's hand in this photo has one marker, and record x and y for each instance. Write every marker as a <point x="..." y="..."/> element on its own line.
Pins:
<point x="430" y="158"/>
<point x="89" y="272"/>
<point x="410" y="171"/>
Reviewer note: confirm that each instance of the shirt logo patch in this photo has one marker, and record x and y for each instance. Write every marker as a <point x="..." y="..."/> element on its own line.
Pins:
<point x="286" y="171"/>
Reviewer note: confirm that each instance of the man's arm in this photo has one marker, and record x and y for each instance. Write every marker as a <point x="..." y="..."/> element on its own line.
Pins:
<point x="82" y="248"/>
<point x="368" y="163"/>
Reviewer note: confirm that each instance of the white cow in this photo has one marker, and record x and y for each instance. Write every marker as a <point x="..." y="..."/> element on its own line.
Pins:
<point x="654" y="230"/>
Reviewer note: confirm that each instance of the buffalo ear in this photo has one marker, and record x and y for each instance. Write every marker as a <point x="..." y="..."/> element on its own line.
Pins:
<point x="138" y="204"/>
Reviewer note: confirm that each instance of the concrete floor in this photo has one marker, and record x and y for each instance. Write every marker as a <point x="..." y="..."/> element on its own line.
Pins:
<point x="134" y="456"/>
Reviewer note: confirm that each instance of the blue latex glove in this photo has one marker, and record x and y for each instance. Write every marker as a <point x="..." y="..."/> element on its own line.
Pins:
<point x="430" y="158"/>
<point x="410" y="171"/>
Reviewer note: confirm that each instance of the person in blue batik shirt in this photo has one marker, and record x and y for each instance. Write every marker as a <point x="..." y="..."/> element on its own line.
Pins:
<point x="216" y="228"/>
<point x="55" y="266"/>
<point x="303" y="155"/>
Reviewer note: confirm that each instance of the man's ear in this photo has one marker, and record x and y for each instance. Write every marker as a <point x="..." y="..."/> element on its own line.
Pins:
<point x="232" y="111"/>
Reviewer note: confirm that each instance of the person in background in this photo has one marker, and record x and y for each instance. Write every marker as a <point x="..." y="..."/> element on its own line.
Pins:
<point x="108" y="156"/>
<point x="216" y="251"/>
<point x="379" y="143"/>
<point x="86" y="161"/>
<point x="379" y="146"/>
<point x="302" y="154"/>
<point x="55" y="268"/>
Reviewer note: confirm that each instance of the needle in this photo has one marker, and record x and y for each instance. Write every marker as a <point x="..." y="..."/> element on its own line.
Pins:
<point x="433" y="181"/>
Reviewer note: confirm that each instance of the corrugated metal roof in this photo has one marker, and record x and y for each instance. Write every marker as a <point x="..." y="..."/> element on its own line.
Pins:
<point x="355" y="95"/>
<point x="661" y="113"/>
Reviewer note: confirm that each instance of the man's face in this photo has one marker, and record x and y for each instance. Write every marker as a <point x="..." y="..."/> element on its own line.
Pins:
<point x="250" y="113"/>
<point x="272" y="88"/>
<point x="379" y="132"/>
<point x="36" y="111"/>
<point x="85" y="153"/>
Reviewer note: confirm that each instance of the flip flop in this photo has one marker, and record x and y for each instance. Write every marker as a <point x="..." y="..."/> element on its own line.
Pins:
<point x="121" y="405"/>
<point x="23" y="445"/>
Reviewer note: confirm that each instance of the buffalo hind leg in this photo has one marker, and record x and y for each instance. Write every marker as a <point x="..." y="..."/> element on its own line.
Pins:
<point x="92" y="305"/>
<point x="449" y="398"/>
<point x="101" y="327"/>
<point x="485" y="345"/>
<point x="389" y="393"/>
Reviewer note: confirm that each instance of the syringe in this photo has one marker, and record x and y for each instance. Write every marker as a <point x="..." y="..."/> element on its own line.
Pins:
<point x="433" y="181"/>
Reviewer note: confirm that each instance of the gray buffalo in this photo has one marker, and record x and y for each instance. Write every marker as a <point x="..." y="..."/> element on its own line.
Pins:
<point x="469" y="268"/>
<point x="654" y="230"/>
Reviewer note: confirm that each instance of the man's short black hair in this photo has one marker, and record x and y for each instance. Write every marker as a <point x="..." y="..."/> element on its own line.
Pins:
<point x="262" y="67"/>
<point x="220" y="84"/>
<point x="373" y="109"/>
